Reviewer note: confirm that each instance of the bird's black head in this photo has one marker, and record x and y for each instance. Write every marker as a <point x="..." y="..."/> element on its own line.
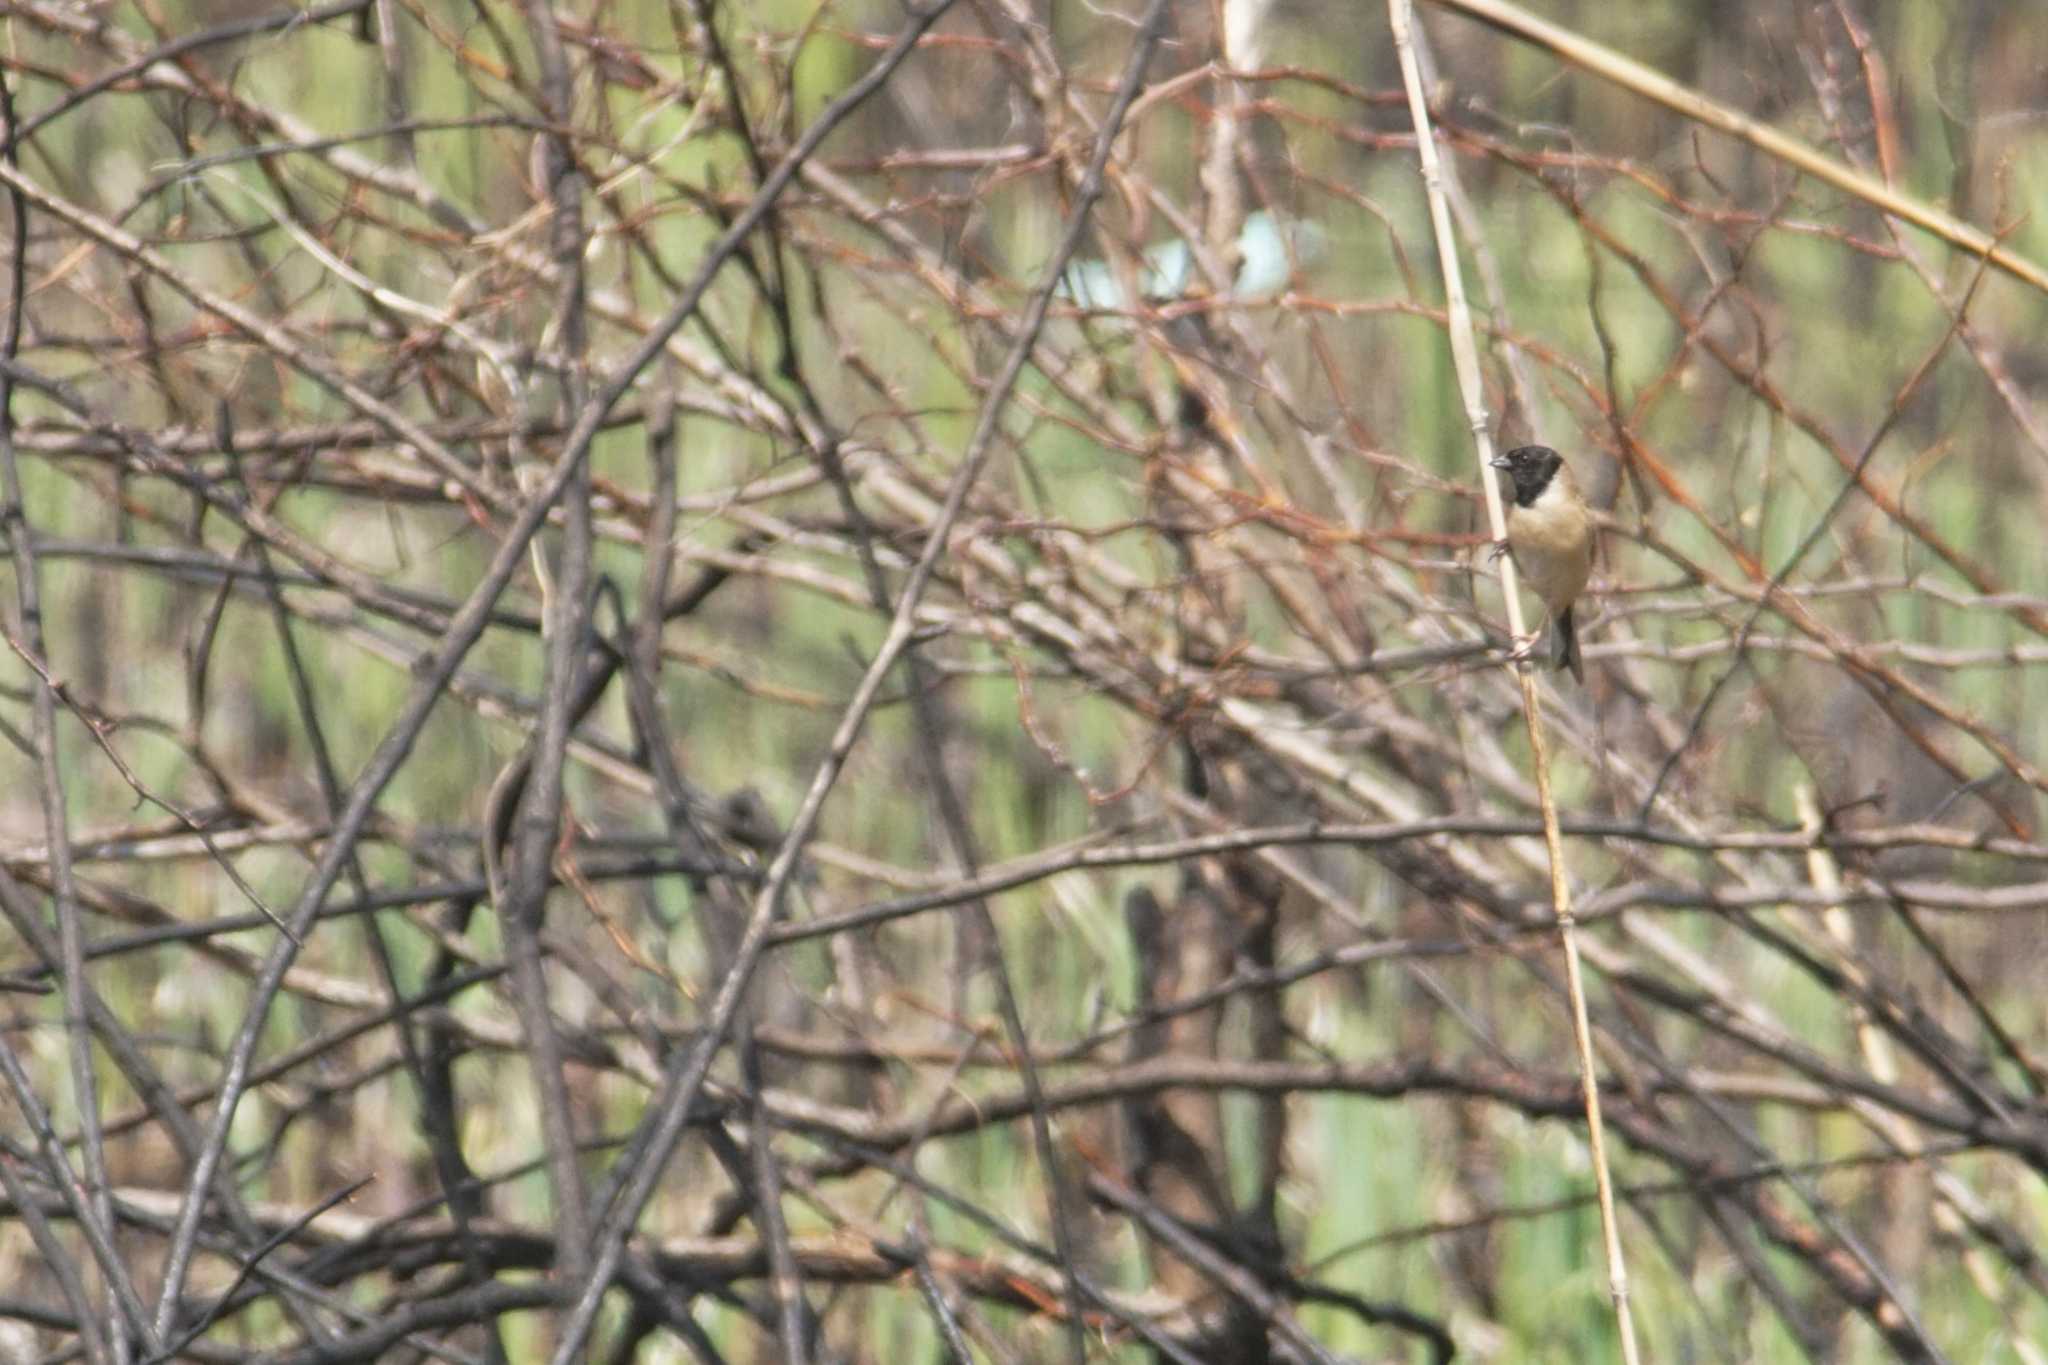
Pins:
<point x="1530" y="467"/>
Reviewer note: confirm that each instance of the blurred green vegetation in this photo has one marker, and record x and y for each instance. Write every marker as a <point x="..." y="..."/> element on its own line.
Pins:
<point x="1803" y="285"/>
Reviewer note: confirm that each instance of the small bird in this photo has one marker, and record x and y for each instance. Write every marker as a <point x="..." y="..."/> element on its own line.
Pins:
<point x="1550" y="533"/>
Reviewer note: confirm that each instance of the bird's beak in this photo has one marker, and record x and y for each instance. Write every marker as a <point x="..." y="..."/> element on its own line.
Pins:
<point x="1499" y="462"/>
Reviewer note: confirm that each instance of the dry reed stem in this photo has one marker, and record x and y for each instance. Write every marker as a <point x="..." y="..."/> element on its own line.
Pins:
<point x="1632" y="75"/>
<point x="1465" y="355"/>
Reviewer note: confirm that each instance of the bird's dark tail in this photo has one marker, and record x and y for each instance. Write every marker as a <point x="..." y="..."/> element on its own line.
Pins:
<point x="1568" y="647"/>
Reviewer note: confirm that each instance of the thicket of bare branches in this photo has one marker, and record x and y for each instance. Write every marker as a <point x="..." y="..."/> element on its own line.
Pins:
<point x="714" y="683"/>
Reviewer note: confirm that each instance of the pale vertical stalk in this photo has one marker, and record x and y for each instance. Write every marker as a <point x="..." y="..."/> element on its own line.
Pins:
<point x="1465" y="356"/>
<point x="1953" y="1200"/>
<point x="1242" y="24"/>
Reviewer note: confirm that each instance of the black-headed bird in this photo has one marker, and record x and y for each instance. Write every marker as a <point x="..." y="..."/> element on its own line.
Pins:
<point x="1550" y="534"/>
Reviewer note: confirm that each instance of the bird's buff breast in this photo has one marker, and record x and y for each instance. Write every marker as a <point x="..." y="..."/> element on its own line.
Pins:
<point x="1553" y="548"/>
